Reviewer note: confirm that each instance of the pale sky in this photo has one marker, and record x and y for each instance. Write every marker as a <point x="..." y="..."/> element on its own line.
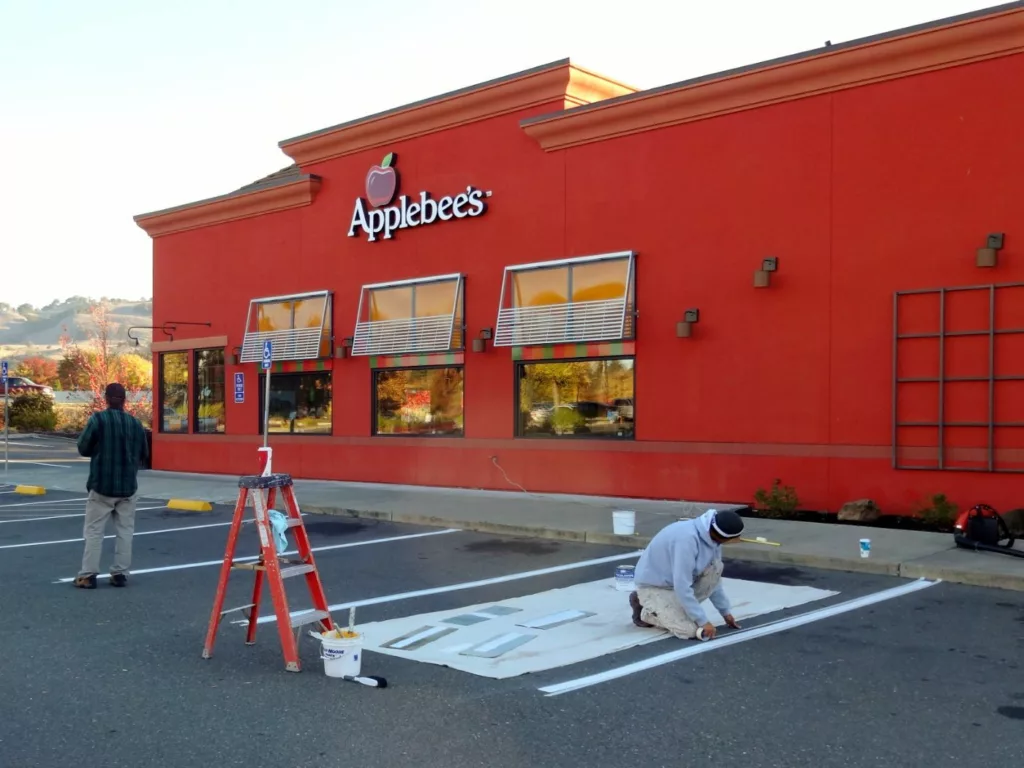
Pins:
<point x="110" y="108"/>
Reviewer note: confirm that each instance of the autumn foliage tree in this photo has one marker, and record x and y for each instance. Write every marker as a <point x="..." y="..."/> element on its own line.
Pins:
<point x="91" y="367"/>
<point x="39" y="370"/>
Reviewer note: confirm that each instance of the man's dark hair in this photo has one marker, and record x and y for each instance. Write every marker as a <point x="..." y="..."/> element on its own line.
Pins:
<point x="115" y="396"/>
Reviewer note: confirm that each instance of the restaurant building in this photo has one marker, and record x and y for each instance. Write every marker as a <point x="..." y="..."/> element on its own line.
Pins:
<point x="809" y="269"/>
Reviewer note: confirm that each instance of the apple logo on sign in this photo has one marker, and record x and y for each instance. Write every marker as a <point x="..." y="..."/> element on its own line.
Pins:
<point x="382" y="182"/>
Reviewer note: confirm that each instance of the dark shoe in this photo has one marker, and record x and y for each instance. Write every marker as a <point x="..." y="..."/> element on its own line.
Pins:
<point x="634" y="603"/>
<point x="119" y="580"/>
<point x="86" y="582"/>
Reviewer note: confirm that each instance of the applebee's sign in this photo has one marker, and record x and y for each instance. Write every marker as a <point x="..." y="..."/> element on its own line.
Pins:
<point x="378" y="218"/>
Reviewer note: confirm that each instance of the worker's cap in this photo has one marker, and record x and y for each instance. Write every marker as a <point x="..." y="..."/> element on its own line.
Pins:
<point x="727" y="523"/>
<point x="115" y="391"/>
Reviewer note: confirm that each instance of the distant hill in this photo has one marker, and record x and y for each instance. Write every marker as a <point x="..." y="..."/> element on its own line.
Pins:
<point x="27" y="331"/>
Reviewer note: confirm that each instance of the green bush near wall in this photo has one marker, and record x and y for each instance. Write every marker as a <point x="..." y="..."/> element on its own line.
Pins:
<point x="33" y="413"/>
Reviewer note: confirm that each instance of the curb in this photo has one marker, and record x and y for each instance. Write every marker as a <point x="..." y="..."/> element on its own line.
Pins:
<point x="767" y="555"/>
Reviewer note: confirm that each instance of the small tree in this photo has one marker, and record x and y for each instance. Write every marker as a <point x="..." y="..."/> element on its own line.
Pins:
<point x="91" y="369"/>
<point x="780" y="501"/>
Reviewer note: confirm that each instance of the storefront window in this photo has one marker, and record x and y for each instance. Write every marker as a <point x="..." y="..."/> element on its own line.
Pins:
<point x="300" y="403"/>
<point x="209" y="391"/>
<point x="174" y="392"/>
<point x="576" y="399"/>
<point x="418" y="401"/>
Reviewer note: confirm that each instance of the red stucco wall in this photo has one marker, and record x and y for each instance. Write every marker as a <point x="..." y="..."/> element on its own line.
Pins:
<point x="859" y="194"/>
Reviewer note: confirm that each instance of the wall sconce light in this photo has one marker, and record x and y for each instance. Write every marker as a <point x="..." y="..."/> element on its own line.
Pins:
<point x="480" y="343"/>
<point x="684" y="328"/>
<point x="761" y="276"/>
<point x="986" y="257"/>
<point x="345" y="349"/>
<point x="236" y="356"/>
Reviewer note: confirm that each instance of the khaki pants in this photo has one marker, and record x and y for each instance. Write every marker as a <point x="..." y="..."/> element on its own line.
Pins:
<point x="98" y="509"/>
<point x="662" y="609"/>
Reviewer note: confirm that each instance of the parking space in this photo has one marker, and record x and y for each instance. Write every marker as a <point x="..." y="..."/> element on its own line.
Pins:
<point x="828" y="663"/>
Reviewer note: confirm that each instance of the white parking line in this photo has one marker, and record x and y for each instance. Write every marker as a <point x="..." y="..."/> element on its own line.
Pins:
<point x="458" y="587"/>
<point x="742" y="636"/>
<point x="289" y="552"/>
<point x="111" y="536"/>
<point x="37" y="503"/>
<point x="62" y="517"/>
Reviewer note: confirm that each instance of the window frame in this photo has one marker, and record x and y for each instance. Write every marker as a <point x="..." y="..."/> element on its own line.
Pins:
<point x="518" y="435"/>
<point x="457" y="317"/>
<point x="161" y="395"/>
<point x="252" y="340"/>
<point x="373" y="401"/>
<point x="194" y="389"/>
<point x="262" y="387"/>
<point x="505" y="328"/>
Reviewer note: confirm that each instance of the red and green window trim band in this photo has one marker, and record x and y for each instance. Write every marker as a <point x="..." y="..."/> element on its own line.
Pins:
<point x="302" y="366"/>
<point x="561" y="351"/>
<point x="413" y="361"/>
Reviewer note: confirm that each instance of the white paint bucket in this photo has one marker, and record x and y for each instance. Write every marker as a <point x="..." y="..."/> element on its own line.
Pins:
<point x="342" y="655"/>
<point x="624" y="522"/>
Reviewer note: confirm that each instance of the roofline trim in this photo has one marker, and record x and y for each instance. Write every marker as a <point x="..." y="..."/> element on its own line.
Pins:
<point x="560" y="82"/>
<point x="958" y="40"/>
<point x="280" y="195"/>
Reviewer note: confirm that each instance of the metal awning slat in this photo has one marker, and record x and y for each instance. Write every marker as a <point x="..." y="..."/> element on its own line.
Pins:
<point x="404" y="336"/>
<point x="577" y="322"/>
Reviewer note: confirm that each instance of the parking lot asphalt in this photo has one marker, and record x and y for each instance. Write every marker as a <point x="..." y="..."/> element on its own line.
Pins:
<point x="115" y="677"/>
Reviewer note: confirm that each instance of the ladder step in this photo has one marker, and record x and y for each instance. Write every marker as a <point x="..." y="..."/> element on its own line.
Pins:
<point x="308" y="617"/>
<point x="294" y="522"/>
<point x="297" y="570"/>
<point x="239" y="608"/>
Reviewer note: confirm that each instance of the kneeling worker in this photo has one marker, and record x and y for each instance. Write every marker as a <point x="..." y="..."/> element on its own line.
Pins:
<point x="680" y="569"/>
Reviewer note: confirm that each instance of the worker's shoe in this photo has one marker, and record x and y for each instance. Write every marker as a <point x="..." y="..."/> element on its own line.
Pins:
<point x="634" y="603"/>
<point x="86" y="582"/>
<point x="119" y="580"/>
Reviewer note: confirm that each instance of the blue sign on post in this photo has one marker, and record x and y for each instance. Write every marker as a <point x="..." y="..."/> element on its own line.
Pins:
<point x="3" y="372"/>
<point x="239" y="387"/>
<point x="267" y="354"/>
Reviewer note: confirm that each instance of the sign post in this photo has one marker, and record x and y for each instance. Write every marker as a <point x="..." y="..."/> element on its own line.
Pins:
<point x="7" y="413"/>
<point x="267" y="357"/>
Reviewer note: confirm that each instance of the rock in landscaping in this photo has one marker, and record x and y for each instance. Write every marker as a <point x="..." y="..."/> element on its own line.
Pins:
<point x="862" y="511"/>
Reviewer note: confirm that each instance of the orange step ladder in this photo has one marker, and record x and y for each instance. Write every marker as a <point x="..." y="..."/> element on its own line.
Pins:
<point x="262" y="491"/>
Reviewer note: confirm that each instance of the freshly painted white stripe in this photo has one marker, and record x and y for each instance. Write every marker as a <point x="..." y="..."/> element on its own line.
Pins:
<point x="111" y="536"/>
<point x="44" y="464"/>
<point x="463" y="585"/>
<point x="724" y="641"/>
<point x="499" y="641"/>
<point x="206" y="563"/>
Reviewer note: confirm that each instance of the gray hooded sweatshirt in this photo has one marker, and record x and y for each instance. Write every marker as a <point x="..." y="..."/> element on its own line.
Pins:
<point x="676" y="557"/>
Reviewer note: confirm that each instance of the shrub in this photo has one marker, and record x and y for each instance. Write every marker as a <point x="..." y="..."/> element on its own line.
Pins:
<point x="72" y="419"/>
<point x="33" y="413"/>
<point x="780" y="501"/>
<point x="938" y="511"/>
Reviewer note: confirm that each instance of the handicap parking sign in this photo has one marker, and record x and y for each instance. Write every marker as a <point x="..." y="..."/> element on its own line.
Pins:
<point x="3" y="372"/>
<point x="239" y="387"/>
<point x="267" y="354"/>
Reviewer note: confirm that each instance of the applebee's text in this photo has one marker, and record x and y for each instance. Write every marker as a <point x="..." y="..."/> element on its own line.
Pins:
<point x="384" y="222"/>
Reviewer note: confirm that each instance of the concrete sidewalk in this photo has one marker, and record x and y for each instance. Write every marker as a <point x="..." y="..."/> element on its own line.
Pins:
<point x="908" y="554"/>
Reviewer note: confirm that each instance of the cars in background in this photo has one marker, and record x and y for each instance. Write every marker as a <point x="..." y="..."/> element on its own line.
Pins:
<point x="19" y="385"/>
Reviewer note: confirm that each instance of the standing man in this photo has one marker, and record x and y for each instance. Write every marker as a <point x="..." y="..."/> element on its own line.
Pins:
<point x="680" y="569"/>
<point x="115" y="442"/>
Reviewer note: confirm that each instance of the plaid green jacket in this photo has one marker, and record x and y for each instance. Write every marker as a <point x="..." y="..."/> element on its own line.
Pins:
<point x="116" y="444"/>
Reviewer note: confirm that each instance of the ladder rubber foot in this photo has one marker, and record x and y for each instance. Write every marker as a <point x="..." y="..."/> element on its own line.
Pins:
<point x="292" y="666"/>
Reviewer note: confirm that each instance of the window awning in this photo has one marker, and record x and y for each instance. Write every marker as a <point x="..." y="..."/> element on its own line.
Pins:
<point x="410" y="316"/>
<point x="568" y="301"/>
<point x="298" y="327"/>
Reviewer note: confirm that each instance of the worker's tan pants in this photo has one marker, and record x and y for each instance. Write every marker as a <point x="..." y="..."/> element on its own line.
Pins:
<point x="662" y="609"/>
<point x="99" y="509"/>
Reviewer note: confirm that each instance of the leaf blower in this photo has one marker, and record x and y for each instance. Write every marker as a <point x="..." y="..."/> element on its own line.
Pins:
<point x="982" y="528"/>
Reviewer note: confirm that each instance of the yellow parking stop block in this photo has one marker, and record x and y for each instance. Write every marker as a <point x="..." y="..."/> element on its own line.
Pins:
<point x="30" y="490"/>
<point x="189" y="505"/>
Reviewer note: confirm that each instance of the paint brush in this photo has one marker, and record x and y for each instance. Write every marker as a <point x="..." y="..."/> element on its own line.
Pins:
<point x="761" y="540"/>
